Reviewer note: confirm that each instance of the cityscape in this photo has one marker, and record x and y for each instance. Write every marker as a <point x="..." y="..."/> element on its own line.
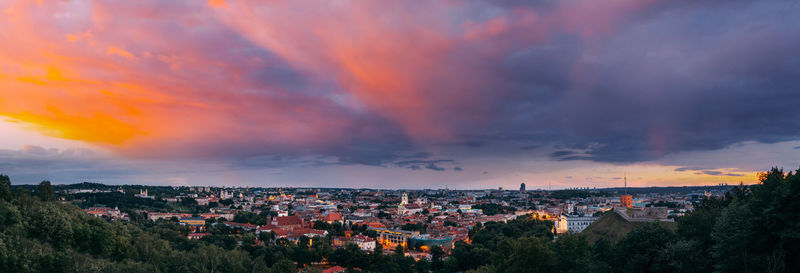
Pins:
<point x="432" y="136"/>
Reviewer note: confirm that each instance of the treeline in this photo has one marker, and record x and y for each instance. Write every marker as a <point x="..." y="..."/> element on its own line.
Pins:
<point x="492" y="208"/>
<point x="570" y="194"/>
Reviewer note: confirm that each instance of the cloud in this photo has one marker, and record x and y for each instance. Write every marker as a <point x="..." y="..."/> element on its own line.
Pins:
<point x="561" y="153"/>
<point x="427" y="164"/>
<point x="683" y="169"/>
<point x="384" y="84"/>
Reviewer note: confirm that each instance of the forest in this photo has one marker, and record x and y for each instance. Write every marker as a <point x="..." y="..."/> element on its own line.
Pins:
<point x="750" y="229"/>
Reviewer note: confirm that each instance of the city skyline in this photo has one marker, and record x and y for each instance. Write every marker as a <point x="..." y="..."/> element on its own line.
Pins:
<point x="361" y="94"/>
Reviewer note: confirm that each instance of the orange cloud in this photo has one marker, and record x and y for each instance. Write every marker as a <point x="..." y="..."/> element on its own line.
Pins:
<point x="218" y="3"/>
<point x="120" y="52"/>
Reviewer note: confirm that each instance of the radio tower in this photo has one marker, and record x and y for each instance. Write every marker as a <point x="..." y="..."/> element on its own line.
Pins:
<point x="626" y="181"/>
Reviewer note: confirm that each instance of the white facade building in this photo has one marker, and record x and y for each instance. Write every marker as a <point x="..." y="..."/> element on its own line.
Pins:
<point x="577" y="223"/>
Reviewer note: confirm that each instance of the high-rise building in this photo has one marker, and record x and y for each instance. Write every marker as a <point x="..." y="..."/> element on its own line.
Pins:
<point x="522" y="187"/>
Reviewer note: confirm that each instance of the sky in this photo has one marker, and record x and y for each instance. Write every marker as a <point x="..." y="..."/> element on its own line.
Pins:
<point x="399" y="94"/>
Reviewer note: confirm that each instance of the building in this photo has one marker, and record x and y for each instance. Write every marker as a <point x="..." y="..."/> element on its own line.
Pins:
<point x="196" y="236"/>
<point x="143" y="194"/>
<point x="154" y="216"/>
<point x="391" y="238"/>
<point x="194" y="223"/>
<point x="626" y="201"/>
<point x="243" y="226"/>
<point x="363" y="242"/>
<point x="335" y="269"/>
<point x="560" y="224"/>
<point x="577" y="223"/>
<point x="114" y="213"/>
<point x="425" y="242"/>
<point x="223" y="194"/>
<point x="287" y="221"/>
<point x="522" y="187"/>
<point x="332" y="217"/>
<point x="226" y="216"/>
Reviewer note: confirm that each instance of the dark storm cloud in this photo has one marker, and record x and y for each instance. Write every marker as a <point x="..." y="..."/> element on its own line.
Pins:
<point x="686" y="77"/>
<point x="712" y="172"/>
<point x="562" y="153"/>
<point x="427" y="164"/>
<point x="32" y="164"/>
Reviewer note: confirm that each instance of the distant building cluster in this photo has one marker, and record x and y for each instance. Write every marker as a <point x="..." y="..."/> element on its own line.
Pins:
<point x="417" y="220"/>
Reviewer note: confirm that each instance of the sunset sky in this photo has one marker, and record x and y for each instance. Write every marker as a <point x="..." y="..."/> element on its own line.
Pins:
<point x="399" y="94"/>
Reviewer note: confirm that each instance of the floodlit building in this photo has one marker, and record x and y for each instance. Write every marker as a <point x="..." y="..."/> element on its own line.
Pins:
<point x="577" y="223"/>
<point x="391" y="238"/>
<point x="626" y="201"/>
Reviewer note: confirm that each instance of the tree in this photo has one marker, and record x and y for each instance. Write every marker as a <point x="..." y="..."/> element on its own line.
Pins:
<point x="437" y="253"/>
<point x="638" y="251"/>
<point x="46" y="192"/>
<point x="530" y="254"/>
<point x="5" y="187"/>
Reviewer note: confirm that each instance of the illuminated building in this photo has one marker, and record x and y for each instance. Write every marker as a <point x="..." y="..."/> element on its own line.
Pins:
<point x="626" y="201"/>
<point x="393" y="238"/>
<point x="426" y="242"/>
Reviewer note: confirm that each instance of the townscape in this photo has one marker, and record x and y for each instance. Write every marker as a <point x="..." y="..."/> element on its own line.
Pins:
<point x="414" y="220"/>
<point x="90" y="227"/>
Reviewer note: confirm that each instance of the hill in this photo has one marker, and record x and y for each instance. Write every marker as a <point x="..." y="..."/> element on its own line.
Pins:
<point x="613" y="227"/>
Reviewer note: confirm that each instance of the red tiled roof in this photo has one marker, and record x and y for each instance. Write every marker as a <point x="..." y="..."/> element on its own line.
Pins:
<point x="267" y="227"/>
<point x="376" y="225"/>
<point x="281" y="232"/>
<point x="362" y="238"/>
<point x="288" y="220"/>
<point x="333" y="216"/>
<point x="304" y="231"/>
<point x="335" y="269"/>
<point x="242" y="225"/>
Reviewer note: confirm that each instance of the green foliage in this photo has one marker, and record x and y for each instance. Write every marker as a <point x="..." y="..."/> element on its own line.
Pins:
<point x="492" y="208"/>
<point x="252" y="218"/>
<point x="45" y="191"/>
<point x="570" y="194"/>
<point x="5" y="187"/>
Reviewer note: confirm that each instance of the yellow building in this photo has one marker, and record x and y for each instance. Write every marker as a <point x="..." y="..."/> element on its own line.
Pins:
<point x="393" y="238"/>
<point x="193" y="221"/>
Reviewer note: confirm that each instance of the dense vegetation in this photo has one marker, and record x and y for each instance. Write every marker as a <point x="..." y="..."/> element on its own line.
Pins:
<point x="750" y="229"/>
<point x="492" y="209"/>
